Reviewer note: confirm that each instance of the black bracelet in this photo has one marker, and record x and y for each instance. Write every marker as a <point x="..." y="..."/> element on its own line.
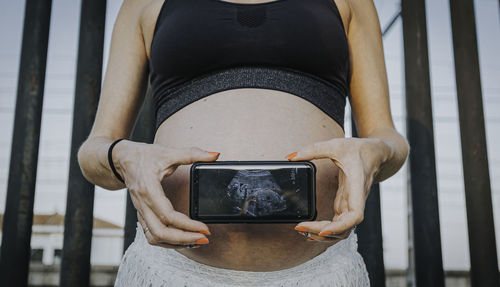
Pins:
<point x="110" y="160"/>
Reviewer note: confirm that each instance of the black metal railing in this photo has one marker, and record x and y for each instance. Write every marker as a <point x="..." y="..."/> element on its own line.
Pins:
<point x="482" y="242"/>
<point x="426" y="264"/>
<point x="18" y="217"/>
<point x="78" y="220"/>
<point x="426" y="258"/>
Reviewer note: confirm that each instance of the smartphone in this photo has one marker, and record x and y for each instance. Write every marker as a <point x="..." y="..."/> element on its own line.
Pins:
<point x="253" y="191"/>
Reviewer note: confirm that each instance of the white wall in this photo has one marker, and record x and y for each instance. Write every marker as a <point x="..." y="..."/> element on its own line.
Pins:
<point x="106" y="249"/>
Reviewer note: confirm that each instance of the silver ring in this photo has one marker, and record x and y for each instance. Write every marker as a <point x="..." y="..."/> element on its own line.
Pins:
<point x="146" y="229"/>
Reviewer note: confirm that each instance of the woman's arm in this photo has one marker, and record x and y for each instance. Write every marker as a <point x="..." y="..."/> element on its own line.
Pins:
<point x="121" y="97"/>
<point x="370" y="91"/>
<point x="380" y="151"/>
<point x="142" y="166"/>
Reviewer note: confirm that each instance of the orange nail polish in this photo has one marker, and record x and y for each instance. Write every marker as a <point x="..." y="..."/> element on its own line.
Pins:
<point x="205" y="232"/>
<point x="325" y="233"/>
<point x="310" y="239"/>
<point x="201" y="241"/>
<point x="213" y="153"/>
<point x="300" y="228"/>
<point x="292" y="155"/>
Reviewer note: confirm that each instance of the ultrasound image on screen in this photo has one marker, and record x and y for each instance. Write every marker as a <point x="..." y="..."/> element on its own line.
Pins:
<point x="280" y="192"/>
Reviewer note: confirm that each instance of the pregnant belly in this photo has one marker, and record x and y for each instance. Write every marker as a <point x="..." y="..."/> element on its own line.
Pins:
<point x="252" y="124"/>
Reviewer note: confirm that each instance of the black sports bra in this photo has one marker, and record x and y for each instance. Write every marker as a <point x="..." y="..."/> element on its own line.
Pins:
<point x="201" y="47"/>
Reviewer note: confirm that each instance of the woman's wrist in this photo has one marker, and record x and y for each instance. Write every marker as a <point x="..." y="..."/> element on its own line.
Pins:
<point x="94" y="163"/>
<point x="392" y="152"/>
<point x="118" y="155"/>
<point x="386" y="155"/>
<point x="112" y="160"/>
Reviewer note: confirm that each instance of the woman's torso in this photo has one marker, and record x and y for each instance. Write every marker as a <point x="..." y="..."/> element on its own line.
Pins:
<point x="245" y="124"/>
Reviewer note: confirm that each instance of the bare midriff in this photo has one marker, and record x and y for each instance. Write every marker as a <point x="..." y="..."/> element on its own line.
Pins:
<point x="252" y="124"/>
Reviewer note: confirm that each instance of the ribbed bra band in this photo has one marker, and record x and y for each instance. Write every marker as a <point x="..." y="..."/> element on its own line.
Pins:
<point x="319" y="92"/>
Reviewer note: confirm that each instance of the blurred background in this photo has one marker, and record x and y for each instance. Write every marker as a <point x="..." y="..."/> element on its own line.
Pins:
<point x="109" y="206"/>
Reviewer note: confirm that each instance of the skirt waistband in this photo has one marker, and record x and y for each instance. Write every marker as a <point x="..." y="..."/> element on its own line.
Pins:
<point x="337" y="261"/>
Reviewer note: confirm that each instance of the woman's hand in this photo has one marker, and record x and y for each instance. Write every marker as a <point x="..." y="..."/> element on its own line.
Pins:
<point x="143" y="167"/>
<point x="359" y="160"/>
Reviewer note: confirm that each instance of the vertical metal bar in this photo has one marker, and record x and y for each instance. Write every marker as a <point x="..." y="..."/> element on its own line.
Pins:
<point x="130" y="223"/>
<point x="370" y="238"/>
<point x="143" y="132"/>
<point x="410" y="271"/>
<point x="75" y="266"/>
<point x="482" y="243"/>
<point x="370" y="233"/>
<point x="18" y="217"/>
<point x="420" y="133"/>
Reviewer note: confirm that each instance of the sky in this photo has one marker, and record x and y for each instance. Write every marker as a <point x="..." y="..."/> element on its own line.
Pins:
<point x="55" y="139"/>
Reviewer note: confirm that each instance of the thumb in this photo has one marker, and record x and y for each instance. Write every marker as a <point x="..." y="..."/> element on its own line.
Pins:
<point x="315" y="150"/>
<point x="192" y="154"/>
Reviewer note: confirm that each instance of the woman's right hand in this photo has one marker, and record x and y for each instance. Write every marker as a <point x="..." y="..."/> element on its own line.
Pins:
<point x="143" y="167"/>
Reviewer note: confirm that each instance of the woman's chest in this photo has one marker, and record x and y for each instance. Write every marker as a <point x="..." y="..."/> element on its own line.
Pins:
<point x="194" y="36"/>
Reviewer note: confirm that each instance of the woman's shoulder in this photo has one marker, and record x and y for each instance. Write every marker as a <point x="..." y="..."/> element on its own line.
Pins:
<point x="147" y="14"/>
<point x="149" y="10"/>
<point x="141" y="12"/>
<point x="350" y="9"/>
<point x="345" y="12"/>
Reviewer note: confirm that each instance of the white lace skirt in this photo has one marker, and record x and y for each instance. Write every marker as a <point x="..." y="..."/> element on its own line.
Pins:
<point x="151" y="266"/>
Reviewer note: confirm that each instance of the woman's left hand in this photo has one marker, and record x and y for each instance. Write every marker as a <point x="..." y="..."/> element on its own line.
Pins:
<point x="359" y="160"/>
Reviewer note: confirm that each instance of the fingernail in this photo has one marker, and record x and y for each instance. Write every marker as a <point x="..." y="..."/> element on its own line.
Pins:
<point x="325" y="233"/>
<point x="213" y="153"/>
<point x="205" y="232"/>
<point x="310" y="239"/>
<point x="202" y="241"/>
<point x="302" y="233"/>
<point x="292" y="155"/>
<point x="300" y="228"/>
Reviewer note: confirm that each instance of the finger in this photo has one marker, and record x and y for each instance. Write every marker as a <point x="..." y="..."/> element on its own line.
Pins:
<point x="342" y="235"/>
<point x="164" y="210"/>
<point x="315" y="237"/>
<point x="354" y="180"/>
<point x="312" y="229"/>
<point x="349" y="203"/>
<point x="342" y="224"/>
<point x="312" y="226"/>
<point x="191" y="155"/>
<point x="347" y="198"/>
<point x="170" y="234"/>
<point x="152" y="241"/>
<point x="316" y="150"/>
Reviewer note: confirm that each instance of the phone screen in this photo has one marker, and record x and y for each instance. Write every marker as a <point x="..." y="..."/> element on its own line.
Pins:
<point x="255" y="191"/>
